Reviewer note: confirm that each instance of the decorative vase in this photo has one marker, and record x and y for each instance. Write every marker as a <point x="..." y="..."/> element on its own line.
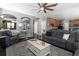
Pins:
<point x="43" y="43"/>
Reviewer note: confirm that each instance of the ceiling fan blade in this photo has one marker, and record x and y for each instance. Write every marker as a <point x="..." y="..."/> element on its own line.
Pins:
<point x="39" y="4"/>
<point x="45" y="4"/>
<point x="49" y="9"/>
<point x="39" y="11"/>
<point x="44" y="11"/>
<point x="52" y="5"/>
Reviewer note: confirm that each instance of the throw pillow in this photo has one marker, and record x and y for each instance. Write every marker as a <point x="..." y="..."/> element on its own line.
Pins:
<point x="48" y="33"/>
<point x="66" y="36"/>
<point x="8" y="33"/>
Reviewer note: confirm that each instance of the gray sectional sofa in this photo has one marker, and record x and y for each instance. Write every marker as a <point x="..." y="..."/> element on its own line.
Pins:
<point x="7" y="39"/>
<point x="55" y="37"/>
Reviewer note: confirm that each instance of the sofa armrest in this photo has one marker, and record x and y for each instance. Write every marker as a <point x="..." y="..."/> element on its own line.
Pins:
<point x="3" y="41"/>
<point x="43" y="34"/>
<point x="71" y="45"/>
<point x="71" y="40"/>
<point x="76" y="45"/>
<point x="77" y="51"/>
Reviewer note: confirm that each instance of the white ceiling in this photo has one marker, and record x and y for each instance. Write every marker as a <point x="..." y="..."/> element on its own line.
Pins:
<point x="33" y="8"/>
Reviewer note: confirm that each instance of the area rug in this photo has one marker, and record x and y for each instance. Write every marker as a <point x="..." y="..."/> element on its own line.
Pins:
<point x="20" y="49"/>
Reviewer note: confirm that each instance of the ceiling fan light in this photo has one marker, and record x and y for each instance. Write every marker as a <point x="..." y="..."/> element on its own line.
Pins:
<point x="42" y="8"/>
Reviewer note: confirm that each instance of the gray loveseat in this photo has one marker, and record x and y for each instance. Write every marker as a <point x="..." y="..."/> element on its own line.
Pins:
<point x="55" y="37"/>
<point x="7" y="39"/>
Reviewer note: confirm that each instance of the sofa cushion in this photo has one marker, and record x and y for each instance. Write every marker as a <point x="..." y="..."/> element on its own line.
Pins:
<point x="49" y="33"/>
<point x="54" y="33"/>
<point x="59" y="42"/>
<point x="72" y="37"/>
<point x="65" y="32"/>
<point x="59" y="34"/>
<point x="72" y="46"/>
<point x="77" y="36"/>
<point x="7" y="33"/>
<point x="55" y="41"/>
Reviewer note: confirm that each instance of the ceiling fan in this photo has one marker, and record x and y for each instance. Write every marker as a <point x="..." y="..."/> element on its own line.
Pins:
<point x="45" y="6"/>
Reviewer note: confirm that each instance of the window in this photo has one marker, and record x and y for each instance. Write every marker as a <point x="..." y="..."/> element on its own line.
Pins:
<point x="9" y="25"/>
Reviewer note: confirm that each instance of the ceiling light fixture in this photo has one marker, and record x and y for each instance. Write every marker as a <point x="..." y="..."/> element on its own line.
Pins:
<point x="42" y="8"/>
<point x="45" y="6"/>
